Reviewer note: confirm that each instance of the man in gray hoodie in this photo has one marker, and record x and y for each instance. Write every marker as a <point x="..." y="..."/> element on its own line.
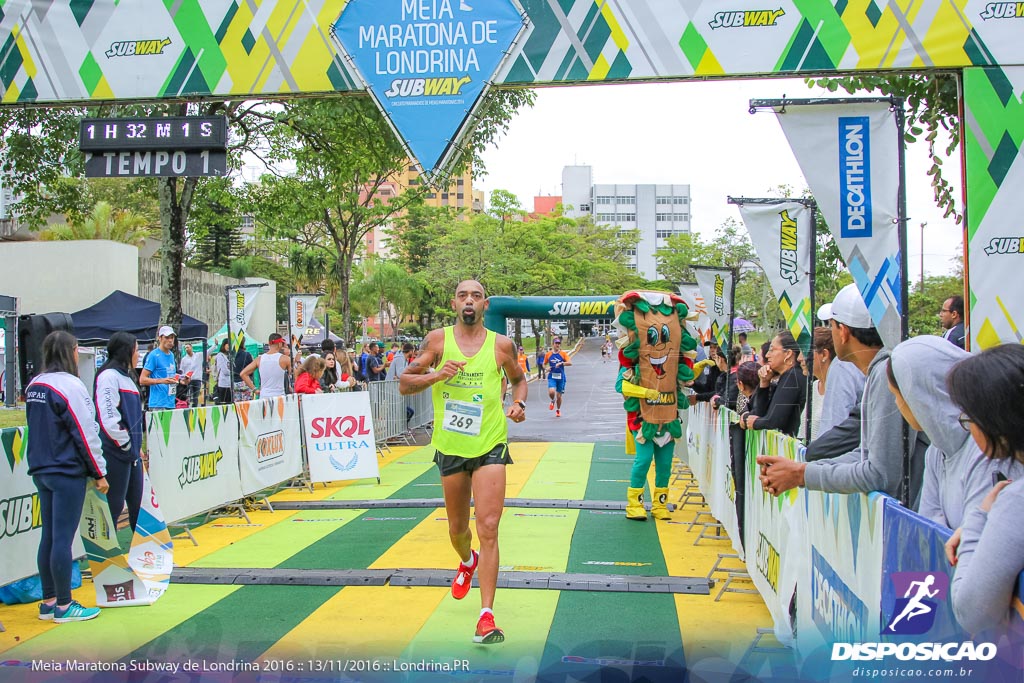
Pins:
<point x="877" y="464"/>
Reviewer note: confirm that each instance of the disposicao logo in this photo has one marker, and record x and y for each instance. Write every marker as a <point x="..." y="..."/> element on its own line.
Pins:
<point x="134" y="48"/>
<point x="854" y="176"/>
<point x="914" y="614"/>
<point x="1003" y="10"/>
<point x="746" y="18"/>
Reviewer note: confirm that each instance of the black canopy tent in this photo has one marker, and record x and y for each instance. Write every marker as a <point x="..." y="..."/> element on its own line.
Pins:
<point x="123" y="312"/>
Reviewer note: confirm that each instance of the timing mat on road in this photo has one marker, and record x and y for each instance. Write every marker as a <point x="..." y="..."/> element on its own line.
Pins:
<point x="556" y="632"/>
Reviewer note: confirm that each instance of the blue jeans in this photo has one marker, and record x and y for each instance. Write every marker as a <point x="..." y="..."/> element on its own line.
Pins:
<point x="60" y="505"/>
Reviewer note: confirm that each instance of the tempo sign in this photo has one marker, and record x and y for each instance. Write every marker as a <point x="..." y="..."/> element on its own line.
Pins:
<point x="160" y="163"/>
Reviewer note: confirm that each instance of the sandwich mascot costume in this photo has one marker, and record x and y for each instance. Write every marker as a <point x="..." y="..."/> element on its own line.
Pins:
<point x="655" y="363"/>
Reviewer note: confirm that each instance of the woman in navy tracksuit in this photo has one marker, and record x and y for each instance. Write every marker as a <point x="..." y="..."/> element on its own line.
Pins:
<point x="64" y="450"/>
<point x="119" y="411"/>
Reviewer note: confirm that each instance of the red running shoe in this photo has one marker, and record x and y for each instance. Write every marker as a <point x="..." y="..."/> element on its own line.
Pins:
<point x="486" y="632"/>
<point x="558" y="413"/>
<point x="551" y="406"/>
<point x="464" y="578"/>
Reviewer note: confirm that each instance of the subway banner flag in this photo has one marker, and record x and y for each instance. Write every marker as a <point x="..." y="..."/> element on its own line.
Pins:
<point x="849" y="154"/>
<point x="716" y="286"/>
<point x="783" y="235"/>
<point x="428" y="64"/>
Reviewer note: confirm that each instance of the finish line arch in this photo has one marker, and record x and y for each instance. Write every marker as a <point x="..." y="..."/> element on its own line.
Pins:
<point x="501" y="308"/>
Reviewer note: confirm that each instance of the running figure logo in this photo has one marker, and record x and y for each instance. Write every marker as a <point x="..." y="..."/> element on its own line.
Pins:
<point x="914" y="613"/>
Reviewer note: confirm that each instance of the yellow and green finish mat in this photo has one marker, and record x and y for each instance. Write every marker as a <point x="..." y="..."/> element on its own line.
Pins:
<point x="420" y="633"/>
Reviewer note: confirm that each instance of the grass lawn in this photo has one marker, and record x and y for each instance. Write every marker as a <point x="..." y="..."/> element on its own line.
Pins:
<point x="12" y="418"/>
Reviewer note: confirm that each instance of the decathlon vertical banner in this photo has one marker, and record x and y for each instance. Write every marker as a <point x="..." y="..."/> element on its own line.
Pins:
<point x="690" y="291"/>
<point x="783" y="235"/>
<point x="774" y="532"/>
<point x="849" y="154"/>
<point x="193" y="459"/>
<point x="116" y="581"/>
<point x="716" y="286"/>
<point x="427" y="64"/>
<point x="269" y="441"/>
<point x="300" y="312"/>
<point x="994" y="173"/>
<point x="340" y="442"/>
<point x="241" y="304"/>
<point x="844" y="571"/>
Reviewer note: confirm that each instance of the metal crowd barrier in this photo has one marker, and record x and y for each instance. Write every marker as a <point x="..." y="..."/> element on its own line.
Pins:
<point x="391" y="419"/>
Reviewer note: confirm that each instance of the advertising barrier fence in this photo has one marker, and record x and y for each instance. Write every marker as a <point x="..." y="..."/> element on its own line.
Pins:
<point x="269" y="442"/>
<point x="868" y="570"/>
<point x="712" y="467"/>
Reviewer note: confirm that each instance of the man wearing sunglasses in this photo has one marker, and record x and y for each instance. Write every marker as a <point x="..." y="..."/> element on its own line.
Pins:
<point x="951" y="317"/>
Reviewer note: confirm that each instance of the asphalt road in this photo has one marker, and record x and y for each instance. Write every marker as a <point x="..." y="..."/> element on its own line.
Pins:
<point x="591" y="410"/>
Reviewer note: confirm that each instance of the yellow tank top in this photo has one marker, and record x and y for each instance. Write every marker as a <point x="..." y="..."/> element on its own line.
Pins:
<point x="469" y="419"/>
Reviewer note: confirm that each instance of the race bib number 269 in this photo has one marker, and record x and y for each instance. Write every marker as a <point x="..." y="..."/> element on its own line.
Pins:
<point x="462" y="417"/>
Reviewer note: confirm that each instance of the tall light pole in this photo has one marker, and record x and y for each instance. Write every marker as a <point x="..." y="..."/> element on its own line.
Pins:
<point x="923" y="223"/>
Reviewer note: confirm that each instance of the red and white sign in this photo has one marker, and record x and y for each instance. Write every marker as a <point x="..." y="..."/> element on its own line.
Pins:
<point x="339" y="436"/>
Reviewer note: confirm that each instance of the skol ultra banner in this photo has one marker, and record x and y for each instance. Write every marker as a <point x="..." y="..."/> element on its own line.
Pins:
<point x="849" y="154"/>
<point x="300" y="312"/>
<point x="141" y="577"/>
<point x="269" y="442"/>
<point x="783" y="235"/>
<point x="690" y="291"/>
<point x="241" y="304"/>
<point x="193" y="459"/>
<point x="995" y="174"/>
<point x="716" y="287"/>
<point x="843" y="572"/>
<point x="774" y="532"/>
<point x="340" y="442"/>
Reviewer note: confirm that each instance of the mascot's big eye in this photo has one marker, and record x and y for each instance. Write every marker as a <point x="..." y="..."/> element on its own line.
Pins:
<point x="652" y="336"/>
<point x="664" y="334"/>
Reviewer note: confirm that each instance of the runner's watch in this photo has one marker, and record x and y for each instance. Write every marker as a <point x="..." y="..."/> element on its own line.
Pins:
<point x="521" y="404"/>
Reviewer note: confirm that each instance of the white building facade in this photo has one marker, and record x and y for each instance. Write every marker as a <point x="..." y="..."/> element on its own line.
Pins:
<point x="656" y="211"/>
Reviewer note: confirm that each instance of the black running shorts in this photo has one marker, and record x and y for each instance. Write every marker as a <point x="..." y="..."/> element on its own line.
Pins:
<point x="453" y="464"/>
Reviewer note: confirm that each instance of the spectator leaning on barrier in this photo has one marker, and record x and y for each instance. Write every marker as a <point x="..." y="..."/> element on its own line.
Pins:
<point x="373" y="368"/>
<point x="956" y="473"/>
<point x="64" y="451"/>
<point x="401" y="361"/>
<point x="119" y="412"/>
<point x="989" y="389"/>
<point x="273" y="366"/>
<point x="877" y="464"/>
<point x="159" y="373"/>
<point x="779" y="407"/>
<point x="308" y="381"/>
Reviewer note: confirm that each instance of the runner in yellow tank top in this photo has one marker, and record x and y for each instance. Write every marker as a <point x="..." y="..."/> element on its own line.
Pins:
<point x="470" y="436"/>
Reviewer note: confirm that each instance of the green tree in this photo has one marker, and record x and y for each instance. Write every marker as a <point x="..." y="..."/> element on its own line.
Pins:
<point x="215" y="225"/>
<point x="104" y="223"/>
<point x="387" y="290"/>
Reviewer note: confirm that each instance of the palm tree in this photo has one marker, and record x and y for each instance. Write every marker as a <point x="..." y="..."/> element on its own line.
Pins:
<point x="104" y="223"/>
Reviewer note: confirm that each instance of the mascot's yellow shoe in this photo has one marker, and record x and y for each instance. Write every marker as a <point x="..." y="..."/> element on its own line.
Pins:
<point x="659" y="509"/>
<point x="635" y="505"/>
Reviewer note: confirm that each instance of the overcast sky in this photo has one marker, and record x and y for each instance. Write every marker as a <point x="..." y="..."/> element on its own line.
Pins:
<point x="695" y="133"/>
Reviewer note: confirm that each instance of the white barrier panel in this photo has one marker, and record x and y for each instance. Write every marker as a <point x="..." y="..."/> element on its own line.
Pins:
<point x="193" y="459"/>
<point x="20" y="519"/>
<point x="709" y="462"/>
<point x="774" y="531"/>
<point x="842" y="603"/>
<point x="269" y="442"/>
<point x="339" y="436"/>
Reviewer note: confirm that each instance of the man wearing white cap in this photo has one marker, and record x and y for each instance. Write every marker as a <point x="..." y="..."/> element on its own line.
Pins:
<point x="159" y="372"/>
<point x="877" y="465"/>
